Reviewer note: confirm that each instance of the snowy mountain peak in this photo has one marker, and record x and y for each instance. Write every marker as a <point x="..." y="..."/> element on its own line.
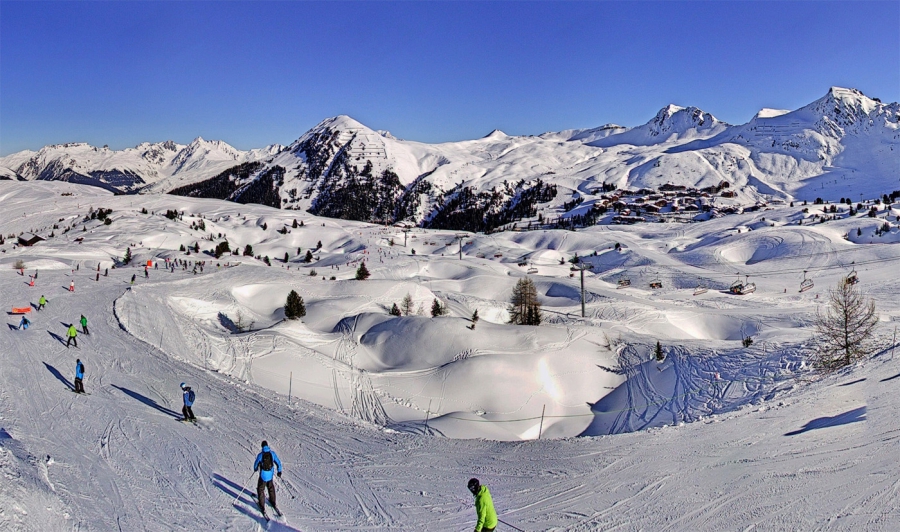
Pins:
<point x="496" y="134"/>
<point x="765" y="112"/>
<point x="844" y="106"/>
<point x="675" y="119"/>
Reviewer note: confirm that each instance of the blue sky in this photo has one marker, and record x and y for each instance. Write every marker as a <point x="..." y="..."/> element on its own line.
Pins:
<point x="252" y="74"/>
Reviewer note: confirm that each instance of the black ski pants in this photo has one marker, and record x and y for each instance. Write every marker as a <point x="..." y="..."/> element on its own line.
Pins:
<point x="79" y="386"/>
<point x="84" y="329"/>
<point x="73" y="340"/>
<point x="261" y="486"/>
<point x="188" y="413"/>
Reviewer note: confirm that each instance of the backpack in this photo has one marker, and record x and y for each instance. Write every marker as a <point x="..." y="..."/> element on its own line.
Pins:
<point x="191" y="396"/>
<point x="267" y="462"/>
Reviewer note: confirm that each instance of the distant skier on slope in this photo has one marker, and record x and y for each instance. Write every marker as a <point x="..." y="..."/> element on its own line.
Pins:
<point x="84" y="328"/>
<point x="266" y="461"/>
<point x="41" y="302"/>
<point x="24" y="323"/>
<point x="72" y="333"/>
<point x="79" y="376"/>
<point x="188" y="396"/>
<point x="484" y="507"/>
<point x="133" y="277"/>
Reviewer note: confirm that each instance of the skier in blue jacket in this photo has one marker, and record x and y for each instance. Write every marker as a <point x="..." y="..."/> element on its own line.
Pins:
<point x="79" y="376"/>
<point x="265" y="463"/>
<point x="188" y="396"/>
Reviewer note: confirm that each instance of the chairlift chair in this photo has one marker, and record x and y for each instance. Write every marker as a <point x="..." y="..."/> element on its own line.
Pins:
<point x="852" y="278"/>
<point x="532" y="269"/>
<point x="656" y="284"/>
<point x="624" y="282"/>
<point x="737" y="287"/>
<point x="701" y="288"/>
<point x="806" y="284"/>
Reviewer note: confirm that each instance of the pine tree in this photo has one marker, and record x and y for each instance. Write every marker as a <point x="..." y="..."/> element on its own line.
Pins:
<point x="127" y="256"/>
<point x="847" y="327"/>
<point x="395" y="310"/>
<point x="437" y="309"/>
<point x="295" y="224"/>
<point x="660" y="356"/>
<point x="524" y="307"/>
<point x="407" y="304"/>
<point x="362" y="273"/>
<point x="308" y="257"/>
<point x="474" y="319"/>
<point x="267" y="261"/>
<point x="286" y="258"/>
<point x="294" y="308"/>
<point x="248" y="250"/>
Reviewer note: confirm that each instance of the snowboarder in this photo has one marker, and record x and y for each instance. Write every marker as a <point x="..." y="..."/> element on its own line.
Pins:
<point x="84" y="328"/>
<point x="265" y="462"/>
<point x="24" y="323"/>
<point x="72" y="334"/>
<point x="41" y="302"/>
<point x="188" y="396"/>
<point x="484" y="507"/>
<point x="79" y="376"/>
<point x="133" y="276"/>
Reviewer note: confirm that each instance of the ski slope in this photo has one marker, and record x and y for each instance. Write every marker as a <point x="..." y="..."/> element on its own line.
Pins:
<point x="666" y="446"/>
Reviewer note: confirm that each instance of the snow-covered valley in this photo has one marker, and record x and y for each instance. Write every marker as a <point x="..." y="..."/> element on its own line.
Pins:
<point x="381" y="419"/>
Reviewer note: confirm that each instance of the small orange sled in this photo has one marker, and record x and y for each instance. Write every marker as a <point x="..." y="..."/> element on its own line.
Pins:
<point x="21" y="310"/>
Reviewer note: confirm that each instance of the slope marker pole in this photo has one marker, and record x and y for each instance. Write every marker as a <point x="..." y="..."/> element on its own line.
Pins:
<point x="541" y="426"/>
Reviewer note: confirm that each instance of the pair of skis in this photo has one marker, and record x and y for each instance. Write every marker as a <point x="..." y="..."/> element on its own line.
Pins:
<point x="266" y="516"/>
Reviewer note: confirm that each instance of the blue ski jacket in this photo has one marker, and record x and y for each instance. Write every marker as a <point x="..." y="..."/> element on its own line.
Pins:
<point x="264" y="475"/>
<point x="79" y="370"/>
<point x="187" y="397"/>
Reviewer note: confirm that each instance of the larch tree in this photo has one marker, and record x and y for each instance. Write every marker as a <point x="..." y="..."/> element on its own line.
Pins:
<point x="524" y="307"/>
<point x="846" y="328"/>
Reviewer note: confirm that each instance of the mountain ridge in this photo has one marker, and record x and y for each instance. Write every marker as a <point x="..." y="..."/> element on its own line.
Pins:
<point x="841" y="143"/>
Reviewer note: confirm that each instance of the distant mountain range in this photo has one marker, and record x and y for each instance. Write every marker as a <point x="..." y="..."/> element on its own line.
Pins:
<point x="841" y="145"/>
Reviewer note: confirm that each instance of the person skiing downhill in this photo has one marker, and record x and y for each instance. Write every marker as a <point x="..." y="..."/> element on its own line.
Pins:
<point x="24" y="323"/>
<point x="79" y="376"/>
<point x="133" y="277"/>
<point x="84" y="328"/>
<point x="72" y="333"/>
<point x="265" y="463"/>
<point x="189" y="397"/>
<point x="41" y="302"/>
<point x="484" y="507"/>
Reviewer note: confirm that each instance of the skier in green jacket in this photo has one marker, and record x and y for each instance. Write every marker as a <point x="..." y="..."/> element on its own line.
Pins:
<point x="84" y="328"/>
<point x="41" y="302"/>
<point x="484" y="507"/>
<point x="72" y="334"/>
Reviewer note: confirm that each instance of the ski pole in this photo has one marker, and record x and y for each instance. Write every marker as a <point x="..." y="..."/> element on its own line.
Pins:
<point x="242" y="489"/>
<point x="509" y="525"/>
<point x="287" y="487"/>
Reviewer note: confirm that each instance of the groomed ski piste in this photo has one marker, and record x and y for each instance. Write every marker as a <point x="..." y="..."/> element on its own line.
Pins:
<point x="380" y="420"/>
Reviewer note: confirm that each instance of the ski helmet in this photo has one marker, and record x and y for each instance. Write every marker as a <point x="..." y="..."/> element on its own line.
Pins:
<point x="474" y="485"/>
<point x="182" y="386"/>
<point x="265" y="443"/>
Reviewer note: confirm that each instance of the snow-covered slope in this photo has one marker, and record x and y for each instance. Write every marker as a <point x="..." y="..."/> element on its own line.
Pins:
<point x="359" y="404"/>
